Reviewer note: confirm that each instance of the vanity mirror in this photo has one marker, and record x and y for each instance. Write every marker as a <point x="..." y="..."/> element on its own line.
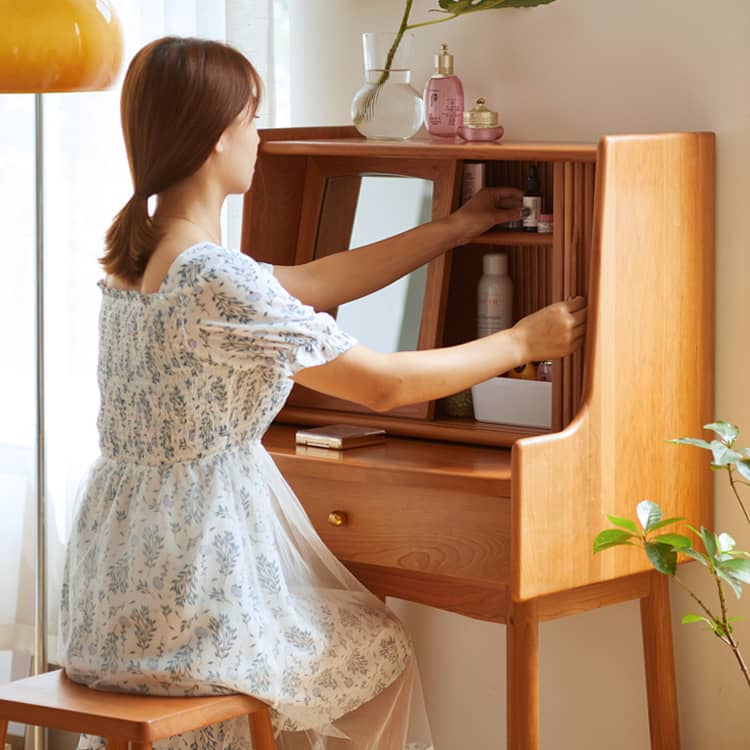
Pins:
<point x="386" y="320"/>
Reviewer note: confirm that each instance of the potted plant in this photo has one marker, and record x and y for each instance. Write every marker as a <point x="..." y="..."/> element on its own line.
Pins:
<point x="728" y="566"/>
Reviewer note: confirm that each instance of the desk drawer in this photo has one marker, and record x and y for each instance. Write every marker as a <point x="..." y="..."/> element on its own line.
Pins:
<point x="407" y="526"/>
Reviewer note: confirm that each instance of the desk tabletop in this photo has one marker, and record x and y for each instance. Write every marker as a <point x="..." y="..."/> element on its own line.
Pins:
<point x="436" y="461"/>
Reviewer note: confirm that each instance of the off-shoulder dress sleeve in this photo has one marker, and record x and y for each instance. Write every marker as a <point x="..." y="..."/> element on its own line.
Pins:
<point x="243" y="317"/>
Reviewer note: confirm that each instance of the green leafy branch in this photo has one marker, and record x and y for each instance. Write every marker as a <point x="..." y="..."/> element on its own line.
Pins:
<point x="726" y="564"/>
<point x="450" y="9"/>
<point x="725" y="456"/>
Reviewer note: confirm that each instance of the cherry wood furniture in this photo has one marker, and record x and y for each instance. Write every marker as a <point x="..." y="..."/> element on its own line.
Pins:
<point x="52" y="700"/>
<point x="492" y="521"/>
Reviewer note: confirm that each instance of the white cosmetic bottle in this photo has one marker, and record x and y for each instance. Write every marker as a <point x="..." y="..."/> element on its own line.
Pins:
<point x="494" y="296"/>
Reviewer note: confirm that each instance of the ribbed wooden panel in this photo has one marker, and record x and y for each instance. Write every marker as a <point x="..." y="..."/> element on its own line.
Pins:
<point x="571" y="260"/>
<point x="567" y="291"/>
<point x="578" y="202"/>
<point x="556" y="284"/>
<point x="530" y="270"/>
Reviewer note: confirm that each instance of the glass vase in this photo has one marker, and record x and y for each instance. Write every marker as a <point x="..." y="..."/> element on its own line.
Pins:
<point x="387" y="107"/>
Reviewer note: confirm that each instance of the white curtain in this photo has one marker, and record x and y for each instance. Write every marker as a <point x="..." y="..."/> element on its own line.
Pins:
<point x="86" y="183"/>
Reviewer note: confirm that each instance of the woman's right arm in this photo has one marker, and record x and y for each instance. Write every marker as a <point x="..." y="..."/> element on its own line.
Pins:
<point x="385" y="381"/>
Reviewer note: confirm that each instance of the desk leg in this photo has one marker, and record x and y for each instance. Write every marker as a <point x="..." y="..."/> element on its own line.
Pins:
<point x="658" y="654"/>
<point x="522" y="636"/>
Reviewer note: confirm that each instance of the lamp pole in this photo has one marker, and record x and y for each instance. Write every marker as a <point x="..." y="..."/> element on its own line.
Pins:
<point x="49" y="45"/>
<point x="40" y="527"/>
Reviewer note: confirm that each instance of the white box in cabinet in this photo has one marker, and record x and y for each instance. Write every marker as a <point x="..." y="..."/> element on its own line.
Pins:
<point x="526" y="403"/>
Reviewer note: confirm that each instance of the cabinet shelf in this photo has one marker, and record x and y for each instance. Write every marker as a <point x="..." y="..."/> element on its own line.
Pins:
<point x="335" y="141"/>
<point x="500" y="238"/>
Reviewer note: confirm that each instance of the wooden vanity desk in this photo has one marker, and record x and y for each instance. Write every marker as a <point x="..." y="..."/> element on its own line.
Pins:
<point x="493" y="521"/>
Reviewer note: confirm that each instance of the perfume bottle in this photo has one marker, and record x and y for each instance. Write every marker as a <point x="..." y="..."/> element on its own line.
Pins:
<point x="532" y="199"/>
<point x="443" y="97"/>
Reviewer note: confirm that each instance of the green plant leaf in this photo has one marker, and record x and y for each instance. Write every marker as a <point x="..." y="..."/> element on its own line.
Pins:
<point x="626" y="523"/>
<point x="731" y="580"/>
<point x="664" y="522"/>
<point x="725" y="430"/>
<point x="662" y="557"/>
<point x="709" y="542"/>
<point x="708" y="538"/>
<point x="675" y="541"/>
<point x="723" y="454"/>
<point x="459" y="7"/>
<point x="743" y="466"/>
<point x="611" y="538"/>
<point x="737" y="568"/>
<point x="701" y="558"/>
<point x="648" y="514"/>
<point x="697" y="442"/>
<point x="687" y="619"/>
<point x="726" y="543"/>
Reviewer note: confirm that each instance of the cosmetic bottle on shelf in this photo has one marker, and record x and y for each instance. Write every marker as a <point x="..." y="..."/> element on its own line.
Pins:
<point x="480" y="124"/>
<point x="494" y="295"/>
<point x="443" y="97"/>
<point x="532" y="199"/>
<point x="472" y="179"/>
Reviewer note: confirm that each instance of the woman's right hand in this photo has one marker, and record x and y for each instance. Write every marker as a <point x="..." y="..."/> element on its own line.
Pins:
<point x="554" y="331"/>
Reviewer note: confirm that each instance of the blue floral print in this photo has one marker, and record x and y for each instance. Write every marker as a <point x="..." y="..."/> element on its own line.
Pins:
<point x="192" y="568"/>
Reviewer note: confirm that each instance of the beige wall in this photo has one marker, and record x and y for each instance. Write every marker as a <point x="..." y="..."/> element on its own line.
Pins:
<point x="573" y="71"/>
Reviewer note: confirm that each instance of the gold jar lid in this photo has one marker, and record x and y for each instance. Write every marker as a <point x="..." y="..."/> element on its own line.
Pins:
<point x="480" y="116"/>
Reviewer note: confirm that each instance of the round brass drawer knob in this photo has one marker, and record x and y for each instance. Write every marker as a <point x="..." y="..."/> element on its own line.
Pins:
<point x="337" y="518"/>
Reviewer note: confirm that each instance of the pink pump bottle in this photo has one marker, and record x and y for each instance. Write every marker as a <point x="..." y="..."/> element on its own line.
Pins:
<point x="443" y="97"/>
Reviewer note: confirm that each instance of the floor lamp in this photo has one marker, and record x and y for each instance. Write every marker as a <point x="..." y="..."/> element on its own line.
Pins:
<point x="52" y="46"/>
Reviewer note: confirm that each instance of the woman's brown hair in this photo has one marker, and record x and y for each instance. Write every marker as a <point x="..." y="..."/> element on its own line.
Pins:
<point x="178" y="97"/>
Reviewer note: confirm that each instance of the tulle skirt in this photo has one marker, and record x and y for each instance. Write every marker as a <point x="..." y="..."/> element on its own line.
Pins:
<point x="207" y="577"/>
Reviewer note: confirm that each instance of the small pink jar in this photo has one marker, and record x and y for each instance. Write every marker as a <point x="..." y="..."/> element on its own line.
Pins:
<point x="480" y="124"/>
<point x="545" y="223"/>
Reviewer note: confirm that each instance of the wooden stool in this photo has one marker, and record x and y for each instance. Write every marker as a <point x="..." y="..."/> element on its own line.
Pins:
<point x="52" y="700"/>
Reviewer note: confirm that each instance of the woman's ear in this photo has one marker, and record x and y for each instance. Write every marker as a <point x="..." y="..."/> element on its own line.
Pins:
<point x="221" y="144"/>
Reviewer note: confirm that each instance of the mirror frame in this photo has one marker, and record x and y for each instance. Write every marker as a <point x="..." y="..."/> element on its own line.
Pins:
<point x="335" y="229"/>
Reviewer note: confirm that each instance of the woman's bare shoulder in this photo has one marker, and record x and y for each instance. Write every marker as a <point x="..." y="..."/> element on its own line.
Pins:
<point x="169" y="248"/>
<point x="166" y="252"/>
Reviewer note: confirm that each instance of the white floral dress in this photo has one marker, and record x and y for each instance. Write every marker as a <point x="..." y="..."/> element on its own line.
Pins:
<point x="192" y="568"/>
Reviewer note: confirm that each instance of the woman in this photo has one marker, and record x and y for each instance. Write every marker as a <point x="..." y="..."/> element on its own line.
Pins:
<point x="192" y="568"/>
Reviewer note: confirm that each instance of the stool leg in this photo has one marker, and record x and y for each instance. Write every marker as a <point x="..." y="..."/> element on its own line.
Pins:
<point x="522" y="636"/>
<point x="140" y="746"/>
<point x="658" y="655"/>
<point x="3" y="733"/>
<point x="261" y="730"/>
<point x="115" y="743"/>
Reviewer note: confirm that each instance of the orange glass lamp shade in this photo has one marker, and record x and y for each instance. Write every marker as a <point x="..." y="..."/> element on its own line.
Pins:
<point x="58" y="45"/>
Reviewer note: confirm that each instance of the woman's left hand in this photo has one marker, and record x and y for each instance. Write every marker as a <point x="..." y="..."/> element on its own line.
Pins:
<point x="485" y="209"/>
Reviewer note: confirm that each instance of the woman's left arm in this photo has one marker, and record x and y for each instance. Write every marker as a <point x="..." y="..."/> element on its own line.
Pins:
<point x="331" y="281"/>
